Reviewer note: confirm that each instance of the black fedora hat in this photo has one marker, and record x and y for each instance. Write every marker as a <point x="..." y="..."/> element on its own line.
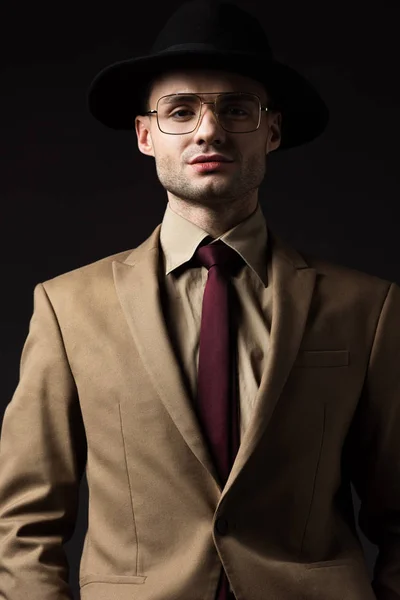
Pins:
<point x="211" y="34"/>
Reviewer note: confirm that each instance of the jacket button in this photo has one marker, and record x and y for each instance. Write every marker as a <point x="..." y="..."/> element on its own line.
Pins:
<point x="221" y="525"/>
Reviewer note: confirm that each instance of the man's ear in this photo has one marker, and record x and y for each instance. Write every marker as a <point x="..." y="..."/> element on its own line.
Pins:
<point x="274" y="133"/>
<point x="143" y="134"/>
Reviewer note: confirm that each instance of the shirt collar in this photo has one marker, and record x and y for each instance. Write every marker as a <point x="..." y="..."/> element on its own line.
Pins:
<point x="179" y="239"/>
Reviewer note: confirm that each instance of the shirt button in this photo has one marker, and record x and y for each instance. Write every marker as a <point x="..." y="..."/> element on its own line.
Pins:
<point x="221" y="525"/>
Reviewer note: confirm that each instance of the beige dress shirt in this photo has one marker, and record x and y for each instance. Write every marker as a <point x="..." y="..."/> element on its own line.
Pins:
<point x="183" y="296"/>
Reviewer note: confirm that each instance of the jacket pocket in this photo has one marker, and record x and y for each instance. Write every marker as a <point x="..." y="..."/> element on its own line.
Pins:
<point x="322" y="358"/>
<point x="97" y="578"/>
<point x="327" y="564"/>
<point x="334" y="579"/>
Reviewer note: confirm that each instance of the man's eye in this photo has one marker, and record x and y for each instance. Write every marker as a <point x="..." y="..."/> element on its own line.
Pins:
<point x="179" y="112"/>
<point x="235" y="110"/>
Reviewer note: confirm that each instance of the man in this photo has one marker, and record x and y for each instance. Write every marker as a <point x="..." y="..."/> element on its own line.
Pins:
<point x="124" y="364"/>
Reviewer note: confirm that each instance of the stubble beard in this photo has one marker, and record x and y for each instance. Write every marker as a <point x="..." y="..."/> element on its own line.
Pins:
<point x="204" y="188"/>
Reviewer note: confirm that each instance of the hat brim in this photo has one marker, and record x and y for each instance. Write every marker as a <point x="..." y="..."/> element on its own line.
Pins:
<point x="115" y="93"/>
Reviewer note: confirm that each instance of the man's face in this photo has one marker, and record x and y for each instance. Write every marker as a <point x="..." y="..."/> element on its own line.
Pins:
<point x="173" y="153"/>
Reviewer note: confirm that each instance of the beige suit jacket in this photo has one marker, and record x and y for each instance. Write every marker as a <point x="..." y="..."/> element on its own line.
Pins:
<point x="101" y="389"/>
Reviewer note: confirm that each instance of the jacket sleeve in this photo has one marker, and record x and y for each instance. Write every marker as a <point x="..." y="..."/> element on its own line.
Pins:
<point x="42" y="458"/>
<point x="375" y="449"/>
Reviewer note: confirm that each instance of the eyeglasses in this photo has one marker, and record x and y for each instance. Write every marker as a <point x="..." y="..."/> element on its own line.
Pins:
<point x="236" y="112"/>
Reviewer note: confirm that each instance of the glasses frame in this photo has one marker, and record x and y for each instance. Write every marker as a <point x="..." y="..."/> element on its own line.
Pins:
<point x="213" y="102"/>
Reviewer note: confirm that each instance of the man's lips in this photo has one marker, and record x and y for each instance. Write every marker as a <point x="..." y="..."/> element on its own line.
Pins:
<point x="210" y="166"/>
<point x="210" y="158"/>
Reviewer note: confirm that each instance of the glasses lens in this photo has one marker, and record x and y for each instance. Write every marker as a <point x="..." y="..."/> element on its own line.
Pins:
<point x="178" y="113"/>
<point x="237" y="113"/>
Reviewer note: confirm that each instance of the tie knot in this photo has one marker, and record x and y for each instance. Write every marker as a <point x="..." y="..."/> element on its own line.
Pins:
<point x="218" y="254"/>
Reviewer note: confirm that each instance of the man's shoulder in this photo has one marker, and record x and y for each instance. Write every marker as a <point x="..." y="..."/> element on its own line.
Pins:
<point x="91" y="284"/>
<point x="343" y="278"/>
<point x="92" y="276"/>
<point x="93" y="270"/>
<point x="331" y="271"/>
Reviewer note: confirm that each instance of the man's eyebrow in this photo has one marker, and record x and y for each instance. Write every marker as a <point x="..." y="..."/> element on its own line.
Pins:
<point x="170" y="98"/>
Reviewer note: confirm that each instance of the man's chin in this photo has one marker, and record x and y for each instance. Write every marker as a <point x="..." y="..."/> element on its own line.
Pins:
<point x="204" y="189"/>
<point x="210" y="195"/>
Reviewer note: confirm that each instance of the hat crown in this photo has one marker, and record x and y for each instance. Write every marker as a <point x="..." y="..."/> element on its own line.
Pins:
<point x="221" y="25"/>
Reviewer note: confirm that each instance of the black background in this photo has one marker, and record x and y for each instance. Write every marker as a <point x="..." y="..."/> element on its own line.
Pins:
<point x="73" y="191"/>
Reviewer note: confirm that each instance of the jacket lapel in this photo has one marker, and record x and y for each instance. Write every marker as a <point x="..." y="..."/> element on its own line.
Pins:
<point x="293" y="283"/>
<point x="136" y="282"/>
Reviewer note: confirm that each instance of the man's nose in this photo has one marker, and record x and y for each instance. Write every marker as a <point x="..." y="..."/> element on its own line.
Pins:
<point x="208" y="125"/>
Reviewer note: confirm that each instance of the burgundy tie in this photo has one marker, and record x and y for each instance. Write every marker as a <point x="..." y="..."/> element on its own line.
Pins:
<point x="217" y="406"/>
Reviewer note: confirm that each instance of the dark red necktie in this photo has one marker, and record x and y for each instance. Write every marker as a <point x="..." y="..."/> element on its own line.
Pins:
<point x="217" y="406"/>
